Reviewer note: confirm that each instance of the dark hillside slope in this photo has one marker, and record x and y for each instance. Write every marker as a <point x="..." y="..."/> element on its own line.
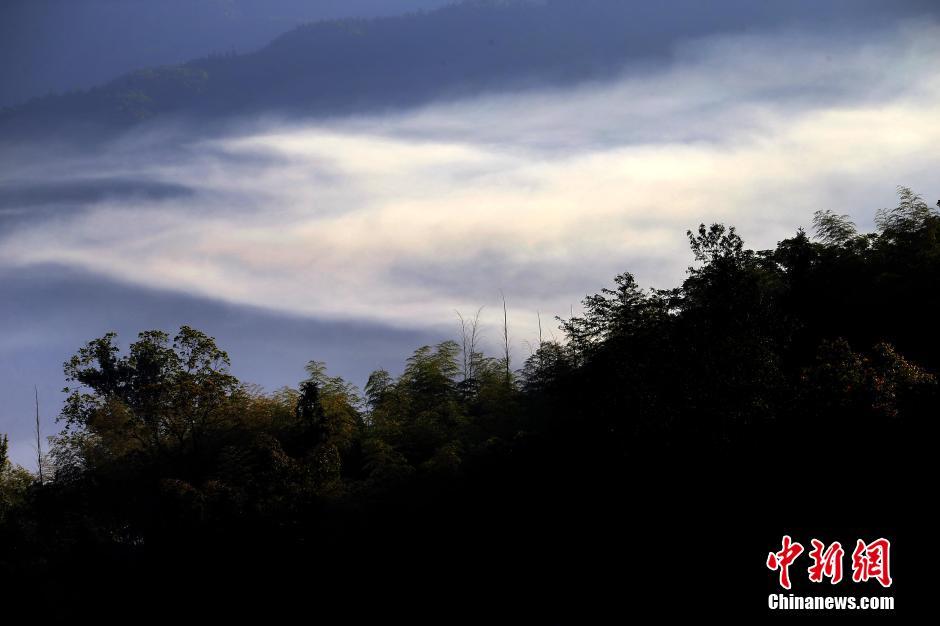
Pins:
<point x="51" y="46"/>
<point x="356" y="65"/>
<point x="650" y="461"/>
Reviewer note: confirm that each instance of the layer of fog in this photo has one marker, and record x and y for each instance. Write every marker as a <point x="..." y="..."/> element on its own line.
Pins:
<point x="545" y="196"/>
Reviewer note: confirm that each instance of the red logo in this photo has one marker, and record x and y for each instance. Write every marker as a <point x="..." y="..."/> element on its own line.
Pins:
<point x="782" y="560"/>
<point x="869" y="561"/>
<point x="826" y="563"/>
<point x="872" y="561"/>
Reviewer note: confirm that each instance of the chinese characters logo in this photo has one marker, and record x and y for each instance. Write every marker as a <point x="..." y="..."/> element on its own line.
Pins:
<point x="869" y="561"/>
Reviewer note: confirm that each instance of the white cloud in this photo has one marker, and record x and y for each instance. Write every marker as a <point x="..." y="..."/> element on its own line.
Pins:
<point x="544" y="195"/>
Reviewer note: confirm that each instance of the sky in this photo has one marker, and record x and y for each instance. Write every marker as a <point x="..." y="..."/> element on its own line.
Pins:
<point x="355" y="240"/>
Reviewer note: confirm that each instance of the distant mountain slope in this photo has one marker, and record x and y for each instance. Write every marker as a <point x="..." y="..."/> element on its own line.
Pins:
<point x="59" y="45"/>
<point x="367" y="64"/>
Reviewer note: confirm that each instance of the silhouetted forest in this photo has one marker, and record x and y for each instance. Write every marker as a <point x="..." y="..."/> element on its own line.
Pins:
<point x="653" y="455"/>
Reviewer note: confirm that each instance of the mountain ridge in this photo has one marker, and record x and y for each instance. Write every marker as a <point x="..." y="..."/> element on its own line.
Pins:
<point x="361" y="65"/>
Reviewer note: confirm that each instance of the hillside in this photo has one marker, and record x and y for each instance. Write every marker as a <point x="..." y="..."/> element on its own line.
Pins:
<point x="357" y="65"/>
<point x="52" y="46"/>
<point x="782" y="386"/>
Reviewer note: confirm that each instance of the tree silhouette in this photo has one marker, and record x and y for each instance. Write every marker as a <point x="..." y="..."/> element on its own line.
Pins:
<point x="764" y="370"/>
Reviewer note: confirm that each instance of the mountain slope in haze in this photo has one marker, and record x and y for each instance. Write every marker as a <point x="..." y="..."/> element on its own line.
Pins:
<point x="357" y="65"/>
<point x="58" y="45"/>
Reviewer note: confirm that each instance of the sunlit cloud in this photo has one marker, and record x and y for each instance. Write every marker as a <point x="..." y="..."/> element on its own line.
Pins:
<point x="544" y="195"/>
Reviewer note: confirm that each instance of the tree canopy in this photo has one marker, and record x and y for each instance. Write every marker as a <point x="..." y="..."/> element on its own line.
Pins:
<point x="677" y="401"/>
